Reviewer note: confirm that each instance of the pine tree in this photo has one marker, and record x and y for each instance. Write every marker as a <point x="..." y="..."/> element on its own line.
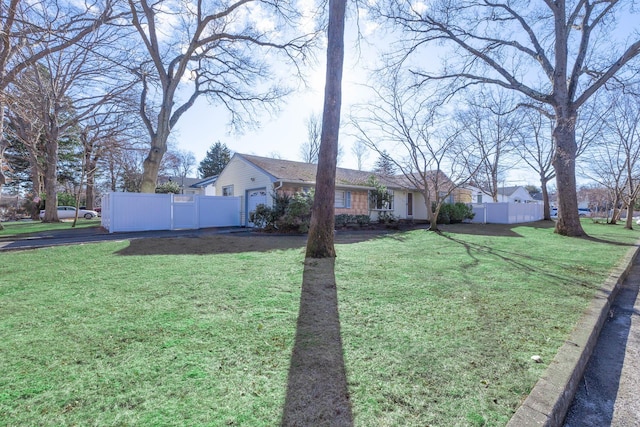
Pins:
<point x="384" y="165"/>
<point x="216" y="159"/>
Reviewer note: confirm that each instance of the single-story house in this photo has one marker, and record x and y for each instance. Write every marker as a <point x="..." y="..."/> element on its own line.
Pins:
<point x="515" y="194"/>
<point x="255" y="180"/>
<point x="478" y="195"/>
<point x="200" y="186"/>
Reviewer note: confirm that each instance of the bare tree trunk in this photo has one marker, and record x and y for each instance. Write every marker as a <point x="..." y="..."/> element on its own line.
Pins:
<point x="90" y="190"/>
<point x="564" y="163"/>
<point x="615" y="212"/>
<point x="152" y="163"/>
<point x="545" y="199"/>
<point x="320" y="241"/>
<point x="50" y="180"/>
<point x="629" y="223"/>
<point x="433" y="216"/>
<point x="3" y="147"/>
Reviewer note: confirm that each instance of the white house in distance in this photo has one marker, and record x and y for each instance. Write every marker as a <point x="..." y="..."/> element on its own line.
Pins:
<point x="198" y="186"/>
<point x="515" y="194"/>
<point x="255" y="179"/>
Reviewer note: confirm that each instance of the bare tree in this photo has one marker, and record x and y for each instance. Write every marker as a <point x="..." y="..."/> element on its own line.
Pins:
<point x="214" y="49"/>
<point x="114" y="126"/>
<point x="599" y="198"/>
<point x="607" y="169"/>
<point x="26" y="128"/>
<point x="489" y="125"/>
<point x="360" y="150"/>
<point x="123" y="165"/>
<point x="310" y="148"/>
<point x="425" y="150"/>
<point x="535" y="148"/>
<point x="552" y="52"/>
<point x="29" y="31"/>
<point x="71" y="85"/>
<point x="617" y="160"/>
<point x="180" y="163"/>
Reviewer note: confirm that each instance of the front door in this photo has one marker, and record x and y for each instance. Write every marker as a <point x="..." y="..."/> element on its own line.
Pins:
<point x="255" y="198"/>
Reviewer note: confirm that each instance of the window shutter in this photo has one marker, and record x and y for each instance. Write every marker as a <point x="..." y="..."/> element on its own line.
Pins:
<point x="348" y="199"/>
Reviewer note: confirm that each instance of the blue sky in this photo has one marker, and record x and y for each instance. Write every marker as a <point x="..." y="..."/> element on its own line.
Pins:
<point x="283" y="134"/>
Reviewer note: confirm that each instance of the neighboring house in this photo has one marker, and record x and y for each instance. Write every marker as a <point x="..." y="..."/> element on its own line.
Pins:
<point x="516" y="194"/>
<point x="255" y="180"/>
<point x="478" y="195"/>
<point x="199" y="186"/>
<point x="206" y="186"/>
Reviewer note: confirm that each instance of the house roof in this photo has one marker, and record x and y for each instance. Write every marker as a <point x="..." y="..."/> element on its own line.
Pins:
<point x="508" y="191"/>
<point x="536" y="196"/>
<point x="203" y="182"/>
<point x="299" y="172"/>
<point x="189" y="182"/>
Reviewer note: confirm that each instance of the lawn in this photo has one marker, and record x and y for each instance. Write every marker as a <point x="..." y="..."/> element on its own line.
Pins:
<point x="437" y="329"/>
<point x="20" y="228"/>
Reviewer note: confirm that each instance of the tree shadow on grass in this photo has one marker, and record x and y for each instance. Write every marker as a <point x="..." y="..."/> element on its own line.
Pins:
<point x="505" y="230"/>
<point x="317" y="393"/>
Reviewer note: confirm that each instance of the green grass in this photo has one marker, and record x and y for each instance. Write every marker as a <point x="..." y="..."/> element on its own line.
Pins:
<point x="19" y="228"/>
<point x="437" y="329"/>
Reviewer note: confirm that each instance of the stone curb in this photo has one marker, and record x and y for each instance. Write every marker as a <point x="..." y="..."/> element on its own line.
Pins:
<point x="549" y="401"/>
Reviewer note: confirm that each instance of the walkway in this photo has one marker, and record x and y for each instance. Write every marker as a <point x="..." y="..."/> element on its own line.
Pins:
<point x="609" y="392"/>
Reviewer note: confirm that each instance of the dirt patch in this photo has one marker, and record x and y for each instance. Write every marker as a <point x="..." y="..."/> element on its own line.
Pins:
<point x="240" y="242"/>
<point x="213" y="244"/>
<point x="250" y="241"/>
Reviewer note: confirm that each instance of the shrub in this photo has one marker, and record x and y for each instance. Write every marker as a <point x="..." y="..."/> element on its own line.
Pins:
<point x="168" y="187"/>
<point x="363" y="219"/>
<point x="451" y="213"/>
<point x="262" y="217"/>
<point x="379" y="197"/>
<point x="385" y="217"/>
<point x="297" y="214"/>
<point x="288" y="213"/>
<point x="343" y="220"/>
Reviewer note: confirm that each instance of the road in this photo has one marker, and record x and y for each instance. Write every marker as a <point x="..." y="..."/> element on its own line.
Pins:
<point x="96" y="234"/>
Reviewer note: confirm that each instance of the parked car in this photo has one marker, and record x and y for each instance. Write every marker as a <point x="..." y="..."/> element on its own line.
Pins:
<point x="65" y="212"/>
<point x="99" y="210"/>
<point x="581" y="212"/>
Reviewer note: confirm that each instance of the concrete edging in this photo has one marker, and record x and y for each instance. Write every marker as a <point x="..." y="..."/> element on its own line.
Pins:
<point x="549" y="401"/>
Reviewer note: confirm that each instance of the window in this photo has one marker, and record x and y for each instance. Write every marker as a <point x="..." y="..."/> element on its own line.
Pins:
<point x="479" y="198"/>
<point x="381" y="201"/>
<point x="342" y="199"/>
<point x="227" y="190"/>
<point x="446" y="198"/>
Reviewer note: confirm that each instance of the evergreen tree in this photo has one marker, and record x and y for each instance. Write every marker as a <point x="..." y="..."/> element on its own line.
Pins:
<point x="216" y="159"/>
<point x="384" y="165"/>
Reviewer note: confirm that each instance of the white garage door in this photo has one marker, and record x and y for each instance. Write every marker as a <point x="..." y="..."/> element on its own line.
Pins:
<point x="255" y="198"/>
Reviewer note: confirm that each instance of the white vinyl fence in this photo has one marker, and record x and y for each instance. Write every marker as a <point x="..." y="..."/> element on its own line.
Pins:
<point x="146" y="212"/>
<point x="507" y="213"/>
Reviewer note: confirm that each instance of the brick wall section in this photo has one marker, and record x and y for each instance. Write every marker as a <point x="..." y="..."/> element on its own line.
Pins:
<point x="359" y="200"/>
<point x="462" y="195"/>
<point x="359" y="204"/>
